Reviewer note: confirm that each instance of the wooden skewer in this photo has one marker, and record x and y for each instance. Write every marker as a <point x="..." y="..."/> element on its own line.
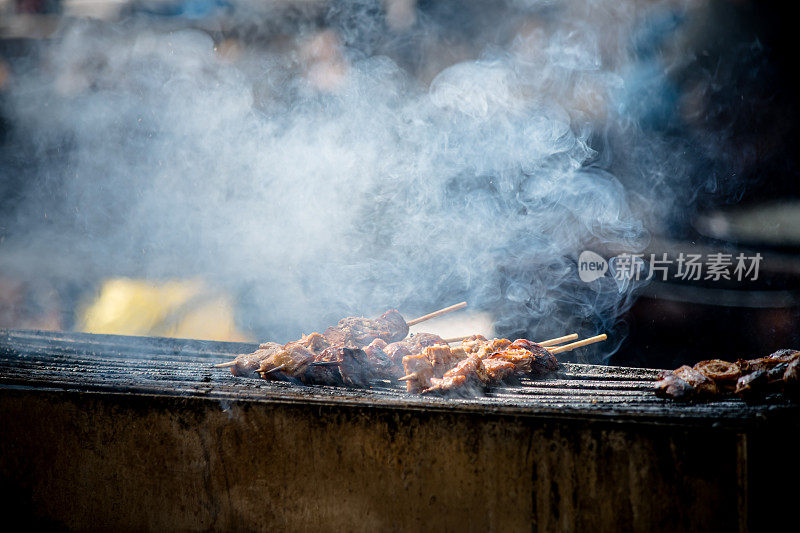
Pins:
<point x="549" y="342"/>
<point x="408" y="377"/>
<point x="271" y="370"/>
<point x="324" y="363"/>
<point x="559" y="340"/>
<point x="451" y="340"/>
<point x="440" y="312"/>
<point x="225" y="365"/>
<point x="584" y="342"/>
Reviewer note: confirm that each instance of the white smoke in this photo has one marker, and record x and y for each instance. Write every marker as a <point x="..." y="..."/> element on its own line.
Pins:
<point x="353" y="191"/>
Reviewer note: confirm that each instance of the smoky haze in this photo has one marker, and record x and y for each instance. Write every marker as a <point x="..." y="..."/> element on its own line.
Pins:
<point x="347" y="166"/>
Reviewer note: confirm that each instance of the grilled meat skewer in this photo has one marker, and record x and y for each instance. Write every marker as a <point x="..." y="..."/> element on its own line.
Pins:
<point x="354" y="332"/>
<point x="414" y="344"/>
<point x="334" y="365"/>
<point x="469" y="374"/>
<point x="248" y="365"/>
<point x="440" y="369"/>
<point x="359" y="331"/>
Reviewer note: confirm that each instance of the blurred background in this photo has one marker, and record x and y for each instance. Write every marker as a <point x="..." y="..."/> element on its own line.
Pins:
<point x="242" y="170"/>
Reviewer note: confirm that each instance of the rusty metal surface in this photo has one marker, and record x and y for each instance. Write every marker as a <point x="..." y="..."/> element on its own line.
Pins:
<point x="131" y="462"/>
<point x="121" y="364"/>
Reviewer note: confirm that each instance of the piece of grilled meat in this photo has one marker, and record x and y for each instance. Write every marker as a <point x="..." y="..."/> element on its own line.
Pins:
<point x="749" y="378"/>
<point x="412" y="345"/>
<point x="527" y="357"/>
<point x="421" y="369"/>
<point x="247" y="365"/>
<point x="287" y="364"/>
<point x="685" y="383"/>
<point x="468" y="377"/>
<point x="357" y="332"/>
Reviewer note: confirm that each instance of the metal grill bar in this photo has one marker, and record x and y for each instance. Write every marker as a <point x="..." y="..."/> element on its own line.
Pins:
<point x="144" y="365"/>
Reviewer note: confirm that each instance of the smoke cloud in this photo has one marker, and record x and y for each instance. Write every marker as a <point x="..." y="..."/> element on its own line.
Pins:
<point x="333" y="172"/>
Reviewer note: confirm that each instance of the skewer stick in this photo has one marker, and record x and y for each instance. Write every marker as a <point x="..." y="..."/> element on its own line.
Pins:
<point x="225" y="365"/>
<point x="408" y="377"/>
<point x="584" y="342"/>
<point x="271" y="370"/>
<point x="440" y="312"/>
<point x="324" y="363"/>
<point x="549" y="342"/>
<point x="451" y="340"/>
<point x="559" y="340"/>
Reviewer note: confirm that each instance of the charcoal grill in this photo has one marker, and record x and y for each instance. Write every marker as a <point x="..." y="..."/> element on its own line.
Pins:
<point x="109" y="432"/>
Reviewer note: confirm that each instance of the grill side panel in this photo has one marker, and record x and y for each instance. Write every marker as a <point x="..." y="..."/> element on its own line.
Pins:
<point x="98" y="461"/>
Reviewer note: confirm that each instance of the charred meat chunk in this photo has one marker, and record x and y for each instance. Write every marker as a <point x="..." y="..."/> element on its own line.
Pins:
<point x="420" y="368"/>
<point x="752" y="384"/>
<point x="519" y="358"/>
<point x="722" y="373"/>
<point x="465" y="377"/>
<point x="247" y="365"/>
<point x="414" y="344"/>
<point x="288" y="363"/>
<point x="397" y="350"/>
<point x="526" y="356"/>
<point x="498" y="370"/>
<point x="775" y="373"/>
<point x="323" y="374"/>
<point x="685" y="383"/>
<point x="359" y="331"/>
<point x="671" y="386"/>
<point x="441" y="357"/>
<point x="701" y="383"/>
<point x="493" y="346"/>
<point x="423" y="340"/>
<point x="381" y="364"/>
<point x="314" y="342"/>
<point x="395" y="325"/>
<point x="769" y="362"/>
<point x="353" y="366"/>
<point x="792" y="374"/>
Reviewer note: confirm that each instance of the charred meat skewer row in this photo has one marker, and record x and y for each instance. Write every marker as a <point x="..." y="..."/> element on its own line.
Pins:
<point x="312" y="361"/>
<point x="478" y="362"/>
<point x="342" y="365"/>
<point x="416" y="343"/>
<point x="778" y="372"/>
<point x="351" y="331"/>
<point x="525" y="356"/>
<point x="247" y="365"/>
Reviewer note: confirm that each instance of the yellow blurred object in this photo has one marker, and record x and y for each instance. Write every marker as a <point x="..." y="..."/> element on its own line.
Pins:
<point x="181" y="308"/>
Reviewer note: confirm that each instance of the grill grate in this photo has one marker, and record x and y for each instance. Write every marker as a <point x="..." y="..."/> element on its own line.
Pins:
<point x="145" y="365"/>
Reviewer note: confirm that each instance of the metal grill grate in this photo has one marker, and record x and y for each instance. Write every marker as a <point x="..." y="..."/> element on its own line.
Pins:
<point x="145" y="365"/>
